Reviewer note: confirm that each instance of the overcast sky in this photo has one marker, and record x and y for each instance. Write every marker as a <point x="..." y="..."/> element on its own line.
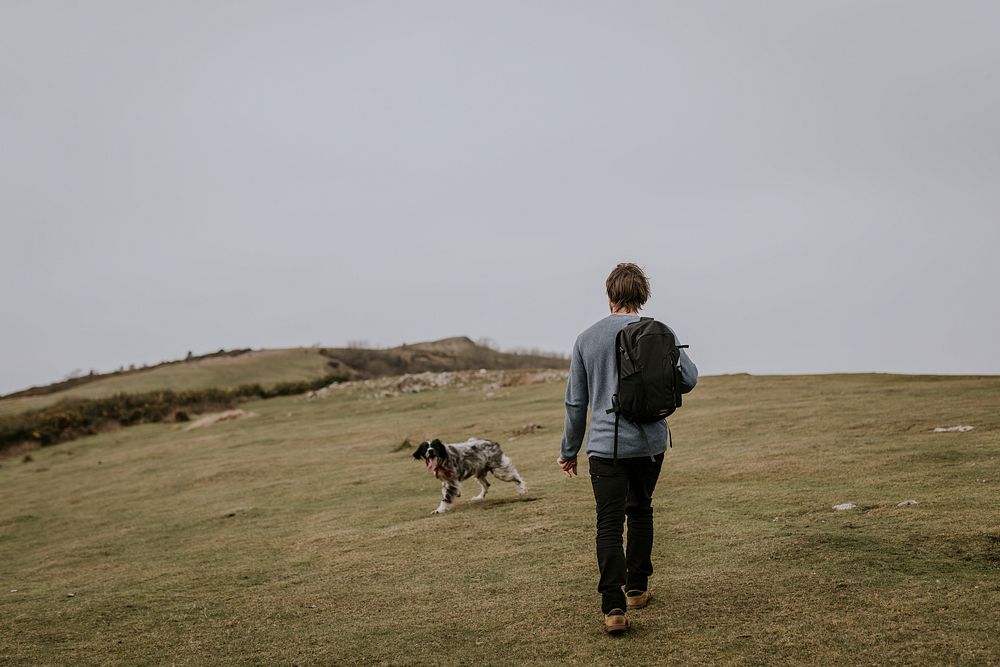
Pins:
<point x="811" y="186"/>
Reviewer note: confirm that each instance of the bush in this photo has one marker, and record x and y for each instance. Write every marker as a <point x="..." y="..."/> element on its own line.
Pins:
<point x="73" y="418"/>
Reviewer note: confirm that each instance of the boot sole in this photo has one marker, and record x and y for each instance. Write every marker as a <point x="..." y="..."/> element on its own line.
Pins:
<point x="642" y="605"/>
<point x="616" y="629"/>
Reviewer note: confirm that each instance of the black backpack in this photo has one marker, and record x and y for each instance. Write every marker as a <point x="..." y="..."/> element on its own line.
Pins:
<point x="649" y="376"/>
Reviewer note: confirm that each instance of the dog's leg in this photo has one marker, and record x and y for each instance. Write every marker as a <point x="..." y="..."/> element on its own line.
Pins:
<point x="508" y="473"/>
<point x="449" y="491"/>
<point x="483" y="484"/>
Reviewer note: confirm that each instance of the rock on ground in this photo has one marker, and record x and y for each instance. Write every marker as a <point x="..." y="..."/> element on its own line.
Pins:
<point x="489" y="382"/>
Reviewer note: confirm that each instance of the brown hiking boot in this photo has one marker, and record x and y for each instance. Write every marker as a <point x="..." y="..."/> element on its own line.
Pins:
<point x="637" y="599"/>
<point x="615" y="622"/>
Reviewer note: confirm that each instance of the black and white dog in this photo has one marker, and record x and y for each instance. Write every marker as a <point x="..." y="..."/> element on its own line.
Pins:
<point x="454" y="463"/>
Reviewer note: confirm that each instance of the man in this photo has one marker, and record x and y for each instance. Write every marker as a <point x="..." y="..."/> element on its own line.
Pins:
<point x="622" y="489"/>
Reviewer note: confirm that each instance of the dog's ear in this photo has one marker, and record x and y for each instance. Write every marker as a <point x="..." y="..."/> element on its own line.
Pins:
<point x="421" y="450"/>
<point x="440" y="449"/>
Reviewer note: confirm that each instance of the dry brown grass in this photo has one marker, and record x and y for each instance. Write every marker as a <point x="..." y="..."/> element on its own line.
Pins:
<point x="303" y="536"/>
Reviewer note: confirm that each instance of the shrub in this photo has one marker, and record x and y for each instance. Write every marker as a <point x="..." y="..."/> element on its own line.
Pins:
<point x="73" y="418"/>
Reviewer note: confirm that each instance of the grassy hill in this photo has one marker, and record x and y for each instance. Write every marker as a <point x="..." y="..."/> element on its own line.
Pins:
<point x="269" y="367"/>
<point x="261" y="366"/>
<point x="302" y="535"/>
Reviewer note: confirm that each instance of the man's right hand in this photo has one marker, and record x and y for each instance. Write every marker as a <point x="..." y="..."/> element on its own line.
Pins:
<point x="568" y="467"/>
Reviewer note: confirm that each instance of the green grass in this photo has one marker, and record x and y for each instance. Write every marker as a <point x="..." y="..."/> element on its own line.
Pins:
<point x="264" y="367"/>
<point x="303" y="535"/>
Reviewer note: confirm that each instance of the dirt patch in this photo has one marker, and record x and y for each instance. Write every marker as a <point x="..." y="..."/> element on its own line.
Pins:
<point x="216" y="417"/>
<point x="526" y="429"/>
<point x="18" y="449"/>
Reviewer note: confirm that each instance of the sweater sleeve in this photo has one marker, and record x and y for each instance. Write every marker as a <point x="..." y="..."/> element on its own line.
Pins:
<point x="577" y="398"/>
<point x="689" y="373"/>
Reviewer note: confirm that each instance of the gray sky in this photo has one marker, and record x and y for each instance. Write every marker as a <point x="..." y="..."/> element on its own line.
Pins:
<point x="812" y="186"/>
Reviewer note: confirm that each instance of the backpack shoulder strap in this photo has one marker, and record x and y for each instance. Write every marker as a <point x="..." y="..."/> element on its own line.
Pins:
<point x="614" y="399"/>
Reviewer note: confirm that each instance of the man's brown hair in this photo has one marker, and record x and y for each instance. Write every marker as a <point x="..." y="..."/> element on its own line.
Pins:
<point x="628" y="287"/>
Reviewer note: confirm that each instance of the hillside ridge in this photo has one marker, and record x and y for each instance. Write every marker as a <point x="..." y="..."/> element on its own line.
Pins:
<point x="229" y="368"/>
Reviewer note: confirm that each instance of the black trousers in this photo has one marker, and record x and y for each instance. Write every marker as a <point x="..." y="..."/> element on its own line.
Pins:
<point x="624" y="490"/>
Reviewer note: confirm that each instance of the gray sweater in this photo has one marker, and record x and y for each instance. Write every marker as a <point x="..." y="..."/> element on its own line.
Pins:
<point x="593" y="379"/>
